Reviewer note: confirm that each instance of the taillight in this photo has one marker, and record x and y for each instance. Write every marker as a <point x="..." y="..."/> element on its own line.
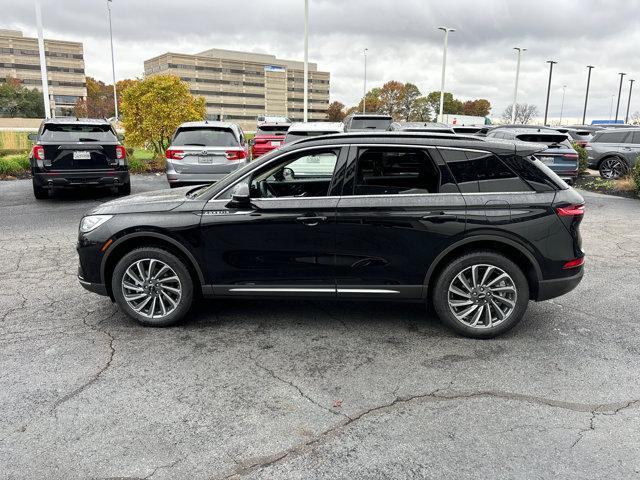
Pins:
<point x="571" y="211"/>
<point x="573" y="263"/>
<point x="174" y="154"/>
<point x="236" y="154"/>
<point x="38" y="152"/>
<point x="121" y="152"/>
<point x="570" y="156"/>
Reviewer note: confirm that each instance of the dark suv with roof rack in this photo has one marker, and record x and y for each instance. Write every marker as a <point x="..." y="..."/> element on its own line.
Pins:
<point x="78" y="152"/>
<point x="475" y="226"/>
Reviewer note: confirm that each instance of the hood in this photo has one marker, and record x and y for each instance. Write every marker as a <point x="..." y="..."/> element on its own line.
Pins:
<point x="156" y="201"/>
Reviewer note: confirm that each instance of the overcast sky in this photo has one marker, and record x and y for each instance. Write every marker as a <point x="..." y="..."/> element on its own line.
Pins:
<point x="401" y="36"/>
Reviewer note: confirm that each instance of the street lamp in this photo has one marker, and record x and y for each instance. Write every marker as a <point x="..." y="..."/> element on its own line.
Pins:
<point x="305" y="98"/>
<point x="446" y="31"/>
<point x="515" y="90"/>
<point x="619" y="93"/>
<point x="564" y="88"/>
<point x="626" y="118"/>
<point x="43" y="63"/>
<point x="546" y="108"/>
<point x="364" y="97"/>
<point x="586" y="96"/>
<point x="113" y="65"/>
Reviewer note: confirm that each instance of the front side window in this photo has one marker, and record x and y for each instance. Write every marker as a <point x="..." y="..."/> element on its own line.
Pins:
<point x="392" y="171"/>
<point x="205" y="137"/>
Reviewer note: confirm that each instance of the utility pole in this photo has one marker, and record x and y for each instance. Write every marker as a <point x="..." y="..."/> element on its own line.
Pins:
<point x="626" y="118"/>
<point x="586" y="96"/>
<point x="446" y="31"/>
<point x="43" y="63"/>
<point x="515" y="90"/>
<point x="306" y="62"/>
<point x="113" y="64"/>
<point x="546" y="108"/>
<point x="364" y="94"/>
<point x="619" y="93"/>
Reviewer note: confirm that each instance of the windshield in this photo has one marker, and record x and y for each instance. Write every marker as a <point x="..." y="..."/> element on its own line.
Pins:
<point x="272" y="129"/>
<point x="294" y="136"/>
<point x="78" y="133"/>
<point x="205" y="137"/>
<point x="371" y="123"/>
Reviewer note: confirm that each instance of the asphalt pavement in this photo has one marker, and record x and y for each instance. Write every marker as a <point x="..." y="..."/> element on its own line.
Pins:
<point x="311" y="389"/>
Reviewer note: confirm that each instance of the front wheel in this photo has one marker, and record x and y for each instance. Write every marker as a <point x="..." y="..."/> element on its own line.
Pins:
<point x="481" y="294"/>
<point x="153" y="286"/>
<point x="612" y="168"/>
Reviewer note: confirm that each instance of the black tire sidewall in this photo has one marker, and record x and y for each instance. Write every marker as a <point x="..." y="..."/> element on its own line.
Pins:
<point x="441" y="291"/>
<point x="174" y="262"/>
<point x="39" y="192"/>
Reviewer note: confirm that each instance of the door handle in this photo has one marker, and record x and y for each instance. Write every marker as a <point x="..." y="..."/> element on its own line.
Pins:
<point x="311" y="221"/>
<point x="440" y="218"/>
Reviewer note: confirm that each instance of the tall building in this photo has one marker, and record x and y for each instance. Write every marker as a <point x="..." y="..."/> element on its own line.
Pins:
<point x="19" y="58"/>
<point x="240" y="86"/>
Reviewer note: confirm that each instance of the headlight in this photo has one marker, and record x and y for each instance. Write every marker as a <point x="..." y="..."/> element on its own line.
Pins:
<point x="92" y="222"/>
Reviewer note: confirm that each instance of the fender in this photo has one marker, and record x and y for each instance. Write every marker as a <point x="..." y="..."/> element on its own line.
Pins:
<point x="159" y="236"/>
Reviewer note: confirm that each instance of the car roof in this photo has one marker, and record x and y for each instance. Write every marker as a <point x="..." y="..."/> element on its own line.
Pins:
<point x="418" y="126"/>
<point x="612" y="130"/>
<point x="210" y="124"/>
<point x="73" y="120"/>
<point x="370" y="115"/>
<point x="274" y="124"/>
<point x="317" y="127"/>
<point x="517" y="131"/>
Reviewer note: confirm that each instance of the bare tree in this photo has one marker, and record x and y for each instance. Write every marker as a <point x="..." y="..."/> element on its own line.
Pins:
<point x="525" y="112"/>
<point x="635" y="118"/>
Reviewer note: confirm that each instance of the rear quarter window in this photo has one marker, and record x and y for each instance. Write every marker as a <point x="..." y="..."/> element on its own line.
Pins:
<point x="205" y="137"/>
<point x="610" y="137"/>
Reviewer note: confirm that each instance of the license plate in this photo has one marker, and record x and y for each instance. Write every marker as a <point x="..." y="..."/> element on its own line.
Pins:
<point x="81" y="155"/>
<point x="205" y="160"/>
<point x="276" y="144"/>
<point x="547" y="160"/>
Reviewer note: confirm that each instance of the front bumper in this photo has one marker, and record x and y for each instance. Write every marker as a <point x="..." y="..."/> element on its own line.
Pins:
<point x="84" y="178"/>
<point x="548" y="289"/>
<point x="98" y="288"/>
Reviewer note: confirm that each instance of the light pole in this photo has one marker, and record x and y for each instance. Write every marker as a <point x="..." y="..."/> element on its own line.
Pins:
<point x="619" y="93"/>
<point x="626" y="118"/>
<point x="515" y="90"/>
<point x="564" y="88"/>
<point x="446" y="31"/>
<point x="43" y="63"/>
<point x="613" y="95"/>
<point x="546" y="108"/>
<point x="586" y="96"/>
<point x="305" y="99"/>
<point x="113" y="65"/>
<point x="364" y="96"/>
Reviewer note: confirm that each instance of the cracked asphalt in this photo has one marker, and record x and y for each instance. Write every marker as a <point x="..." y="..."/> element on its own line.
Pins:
<point x="310" y="389"/>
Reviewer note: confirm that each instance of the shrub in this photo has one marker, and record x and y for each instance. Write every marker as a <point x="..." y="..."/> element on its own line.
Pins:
<point x="635" y="174"/>
<point x="583" y="158"/>
<point x="14" y="164"/>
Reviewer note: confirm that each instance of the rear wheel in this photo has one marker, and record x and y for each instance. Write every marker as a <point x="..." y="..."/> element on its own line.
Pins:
<point x="153" y="286"/>
<point x="481" y="294"/>
<point x="612" y="168"/>
<point x="124" y="189"/>
<point x="39" y="192"/>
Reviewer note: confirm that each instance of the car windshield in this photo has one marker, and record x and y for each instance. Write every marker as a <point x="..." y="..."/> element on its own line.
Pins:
<point x="293" y="136"/>
<point x="205" y="137"/>
<point x="78" y="133"/>
<point x="371" y="123"/>
<point x="272" y="129"/>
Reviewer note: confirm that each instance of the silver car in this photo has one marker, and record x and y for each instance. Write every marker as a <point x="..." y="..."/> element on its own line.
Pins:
<point x="613" y="152"/>
<point x="204" y="152"/>
<point x="298" y="131"/>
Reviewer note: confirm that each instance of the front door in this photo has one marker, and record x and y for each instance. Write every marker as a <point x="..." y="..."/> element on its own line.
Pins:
<point x="284" y="241"/>
<point x="399" y="209"/>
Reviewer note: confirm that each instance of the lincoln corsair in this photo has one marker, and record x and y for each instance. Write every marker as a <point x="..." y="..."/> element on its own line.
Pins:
<point x="475" y="226"/>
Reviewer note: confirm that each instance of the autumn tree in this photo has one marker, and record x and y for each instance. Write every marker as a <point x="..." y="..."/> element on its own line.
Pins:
<point x="450" y="104"/>
<point x="525" y="113"/>
<point x="19" y="101"/>
<point x="373" y="103"/>
<point x="153" y="108"/>
<point x="410" y="95"/>
<point x="421" y="110"/>
<point x="335" y="112"/>
<point x="478" y="108"/>
<point x="391" y="97"/>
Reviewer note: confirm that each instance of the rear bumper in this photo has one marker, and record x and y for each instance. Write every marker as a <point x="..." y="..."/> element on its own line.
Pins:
<point x="200" y="178"/>
<point x="85" y="178"/>
<point x="548" y="289"/>
<point x="180" y="173"/>
<point x="98" y="288"/>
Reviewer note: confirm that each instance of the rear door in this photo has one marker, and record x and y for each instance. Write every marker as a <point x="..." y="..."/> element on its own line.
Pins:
<point x="399" y="209"/>
<point x="207" y="149"/>
<point x="631" y="148"/>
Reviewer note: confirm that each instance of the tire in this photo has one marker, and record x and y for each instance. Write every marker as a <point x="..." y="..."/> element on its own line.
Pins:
<point x="509" y="302"/>
<point x="39" y="192"/>
<point x="612" y="168"/>
<point x="176" y="305"/>
<point x="125" y="189"/>
<point x="175" y="185"/>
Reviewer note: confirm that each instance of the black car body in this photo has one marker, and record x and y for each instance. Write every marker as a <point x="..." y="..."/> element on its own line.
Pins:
<point x="74" y="152"/>
<point x="393" y="218"/>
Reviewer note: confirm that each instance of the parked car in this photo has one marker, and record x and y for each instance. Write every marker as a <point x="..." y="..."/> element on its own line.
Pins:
<point x="425" y="127"/>
<point x="272" y="119"/>
<point x="269" y="135"/>
<point x="363" y="122"/>
<point x="468" y="129"/>
<point x="75" y="152"/>
<point x="579" y="135"/>
<point x="613" y="152"/>
<point x="478" y="227"/>
<point x="559" y="155"/>
<point x="298" y="131"/>
<point x="204" y="152"/>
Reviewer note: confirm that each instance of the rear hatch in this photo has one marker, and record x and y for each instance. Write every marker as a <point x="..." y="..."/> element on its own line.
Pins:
<point x="205" y="150"/>
<point x="77" y="146"/>
<point x="559" y="155"/>
<point x="361" y="123"/>
<point x="270" y="136"/>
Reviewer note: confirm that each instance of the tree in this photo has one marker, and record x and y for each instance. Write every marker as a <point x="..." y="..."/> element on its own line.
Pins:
<point x="19" y="101"/>
<point x="635" y="118"/>
<point x="478" y="108"/>
<point x="410" y="94"/>
<point x="525" y="112"/>
<point x="373" y="105"/>
<point x="391" y="98"/>
<point x="335" y="112"/>
<point x="154" y="107"/>
<point x="421" y="111"/>
<point x="450" y="104"/>
<point x="99" y="101"/>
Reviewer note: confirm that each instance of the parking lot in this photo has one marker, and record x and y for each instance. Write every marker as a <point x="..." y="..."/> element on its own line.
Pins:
<point x="310" y="389"/>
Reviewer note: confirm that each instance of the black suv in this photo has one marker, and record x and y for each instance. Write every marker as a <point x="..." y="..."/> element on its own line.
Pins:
<point x="77" y="152"/>
<point x="474" y="225"/>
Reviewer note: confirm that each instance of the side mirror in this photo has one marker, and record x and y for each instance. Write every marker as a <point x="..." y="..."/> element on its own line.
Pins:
<point x="240" y="197"/>
<point x="120" y="137"/>
<point x="33" y="137"/>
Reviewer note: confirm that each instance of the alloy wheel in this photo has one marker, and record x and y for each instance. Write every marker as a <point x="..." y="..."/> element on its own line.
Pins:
<point x="612" y="168"/>
<point x="151" y="288"/>
<point x="482" y="296"/>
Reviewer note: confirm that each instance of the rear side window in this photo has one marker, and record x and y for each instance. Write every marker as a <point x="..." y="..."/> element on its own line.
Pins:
<point x="205" y="137"/>
<point x="272" y="129"/>
<point x="482" y="172"/>
<point x="391" y="171"/>
<point x="611" y="137"/>
<point x="78" y="133"/>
